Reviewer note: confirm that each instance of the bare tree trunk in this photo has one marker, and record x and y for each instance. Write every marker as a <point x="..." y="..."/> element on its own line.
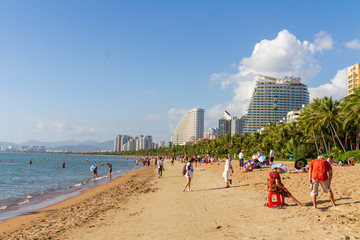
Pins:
<point x="346" y="141"/>
<point x="317" y="148"/>
<point x="358" y="140"/>
<point x="332" y="136"/>
<point x="337" y="137"/>
<point x="327" y="152"/>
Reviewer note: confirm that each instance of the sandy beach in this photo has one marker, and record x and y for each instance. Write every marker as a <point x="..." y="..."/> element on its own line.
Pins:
<point x="138" y="205"/>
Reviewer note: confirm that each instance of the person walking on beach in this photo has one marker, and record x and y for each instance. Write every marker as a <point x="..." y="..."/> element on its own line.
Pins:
<point x="189" y="174"/>
<point x="320" y="172"/>
<point x="241" y="159"/>
<point x="160" y="164"/>
<point x="272" y="155"/>
<point x="227" y="168"/>
<point x="110" y="169"/>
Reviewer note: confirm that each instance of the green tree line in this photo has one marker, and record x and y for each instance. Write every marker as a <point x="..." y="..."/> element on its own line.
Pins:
<point x="325" y="127"/>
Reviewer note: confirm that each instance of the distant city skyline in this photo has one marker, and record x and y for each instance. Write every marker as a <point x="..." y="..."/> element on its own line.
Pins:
<point x="88" y="70"/>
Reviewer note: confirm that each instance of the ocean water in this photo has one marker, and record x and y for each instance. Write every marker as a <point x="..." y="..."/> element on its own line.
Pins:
<point x="25" y="187"/>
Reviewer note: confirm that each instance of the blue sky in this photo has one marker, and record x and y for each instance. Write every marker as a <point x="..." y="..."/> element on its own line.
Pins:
<point x="90" y="70"/>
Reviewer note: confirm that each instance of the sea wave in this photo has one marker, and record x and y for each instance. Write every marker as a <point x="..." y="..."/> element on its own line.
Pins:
<point x="23" y="202"/>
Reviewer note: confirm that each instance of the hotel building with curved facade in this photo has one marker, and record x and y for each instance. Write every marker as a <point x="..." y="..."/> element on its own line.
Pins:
<point x="272" y="99"/>
<point x="190" y="128"/>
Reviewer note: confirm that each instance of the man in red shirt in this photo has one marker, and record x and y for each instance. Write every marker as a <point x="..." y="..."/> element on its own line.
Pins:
<point x="320" y="172"/>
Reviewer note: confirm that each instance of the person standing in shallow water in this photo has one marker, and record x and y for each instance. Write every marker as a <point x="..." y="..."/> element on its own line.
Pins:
<point x="110" y="169"/>
<point x="189" y="174"/>
<point x="95" y="171"/>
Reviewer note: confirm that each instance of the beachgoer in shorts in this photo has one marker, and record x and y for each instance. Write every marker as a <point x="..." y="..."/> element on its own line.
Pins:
<point x="248" y="166"/>
<point x="110" y="169"/>
<point x="272" y="155"/>
<point x="160" y="164"/>
<point x="320" y="172"/>
<point x="95" y="171"/>
<point x="241" y="159"/>
<point x="189" y="173"/>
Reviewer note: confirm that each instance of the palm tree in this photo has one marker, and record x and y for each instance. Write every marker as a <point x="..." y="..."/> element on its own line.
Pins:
<point x="351" y="111"/>
<point x="329" y="115"/>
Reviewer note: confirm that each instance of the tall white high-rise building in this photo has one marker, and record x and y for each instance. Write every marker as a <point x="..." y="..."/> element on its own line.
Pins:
<point x="190" y="128"/>
<point x="272" y="99"/>
<point x="120" y="141"/>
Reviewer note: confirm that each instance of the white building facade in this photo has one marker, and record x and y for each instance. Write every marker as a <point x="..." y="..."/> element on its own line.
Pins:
<point x="272" y="99"/>
<point x="190" y="128"/>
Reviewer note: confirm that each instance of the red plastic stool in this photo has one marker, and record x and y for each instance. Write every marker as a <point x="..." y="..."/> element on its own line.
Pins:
<point x="274" y="200"/>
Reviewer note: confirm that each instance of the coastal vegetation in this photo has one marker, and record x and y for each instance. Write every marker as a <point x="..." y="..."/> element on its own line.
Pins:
<point x="326" y="127"/>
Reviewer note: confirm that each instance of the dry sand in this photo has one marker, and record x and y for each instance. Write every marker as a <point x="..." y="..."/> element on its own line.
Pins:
<point x="141" y="206"/>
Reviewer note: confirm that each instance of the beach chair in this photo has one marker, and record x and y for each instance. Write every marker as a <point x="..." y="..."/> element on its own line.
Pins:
<point x="274" y="200"/>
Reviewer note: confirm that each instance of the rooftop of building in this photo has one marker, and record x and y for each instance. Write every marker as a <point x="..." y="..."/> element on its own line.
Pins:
<point x="284" y="80"/>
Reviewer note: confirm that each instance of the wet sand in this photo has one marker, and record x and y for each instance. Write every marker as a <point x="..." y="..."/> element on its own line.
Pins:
<point x="138" y="205"/>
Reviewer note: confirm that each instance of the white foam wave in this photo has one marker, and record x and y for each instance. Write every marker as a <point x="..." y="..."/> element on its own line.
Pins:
<point x="26" y="201"/>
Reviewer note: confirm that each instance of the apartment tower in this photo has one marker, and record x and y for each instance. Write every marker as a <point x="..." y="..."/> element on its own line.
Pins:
<point x="190" y="128"/>
<point x="353" y="77"/>
<point x="272" y="99"/>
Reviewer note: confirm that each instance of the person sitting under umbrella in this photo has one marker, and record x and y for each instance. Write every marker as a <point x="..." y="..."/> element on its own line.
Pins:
<point x="275" y="185"/>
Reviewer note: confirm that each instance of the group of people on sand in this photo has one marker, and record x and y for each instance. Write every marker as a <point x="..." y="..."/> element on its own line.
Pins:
<point x="350" y="162"/>
<point x="319" y="170"/>
<point x="254" y="163"/>
<point x="94" y="169"/>
<point x="320" y="173"/>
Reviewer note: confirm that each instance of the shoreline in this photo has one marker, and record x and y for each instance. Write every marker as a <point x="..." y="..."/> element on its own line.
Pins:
<point x="16" y="225"/>
<point x="51" y="198"/>
<point x="31" y="188"/>
<point x="141" y="206"/>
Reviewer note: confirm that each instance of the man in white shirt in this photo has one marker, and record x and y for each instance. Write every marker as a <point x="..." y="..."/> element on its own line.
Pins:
<point x="241" y="159"/>
<point x="160" y="164"/>
<point x="272" y="155"/>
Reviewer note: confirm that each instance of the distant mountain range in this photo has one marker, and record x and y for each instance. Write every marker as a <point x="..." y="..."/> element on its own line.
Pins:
<point x="72" y="145"/>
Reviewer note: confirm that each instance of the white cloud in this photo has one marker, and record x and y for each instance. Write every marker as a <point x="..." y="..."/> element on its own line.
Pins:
<point x="154" y="117"/>
<point x="57" y="127"/>
<point x="284" y="55"/>
<point x="174" y="114"/>
<point x="337" y="88"/>
<point x="354" y="44"/>
<point x="323" y="41"/>
<point x="215" y="112"/>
